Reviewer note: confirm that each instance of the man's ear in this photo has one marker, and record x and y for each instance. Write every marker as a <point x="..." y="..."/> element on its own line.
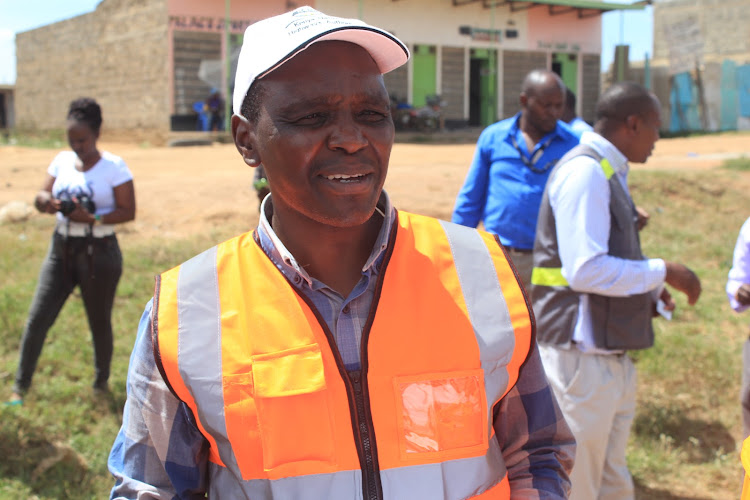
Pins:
<point x="243" y="132"/>
<point x="523" y="99"/>
<point x="632" y="122"/>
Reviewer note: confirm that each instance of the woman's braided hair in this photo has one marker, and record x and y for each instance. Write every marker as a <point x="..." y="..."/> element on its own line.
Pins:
<point x="86" y="110"/>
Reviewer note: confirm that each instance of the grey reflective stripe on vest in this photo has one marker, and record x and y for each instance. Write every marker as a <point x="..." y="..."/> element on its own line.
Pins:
<point x="225" y="485"/>
<point x="453" y="479"/>
<point x="490" y="318"/>
<point x="485" y="302"/>
<point x="199" y="345"/>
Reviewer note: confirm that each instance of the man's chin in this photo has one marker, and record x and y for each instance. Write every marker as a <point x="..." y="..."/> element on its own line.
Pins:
<point x="349" y="218"/>
<point x="550" y="128"/>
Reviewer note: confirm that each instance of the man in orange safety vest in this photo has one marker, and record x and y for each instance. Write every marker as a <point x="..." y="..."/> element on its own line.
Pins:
<point x="342" y="349"/>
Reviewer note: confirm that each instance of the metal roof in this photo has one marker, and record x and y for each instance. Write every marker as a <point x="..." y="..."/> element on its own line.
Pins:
<point x="585" y="8"/>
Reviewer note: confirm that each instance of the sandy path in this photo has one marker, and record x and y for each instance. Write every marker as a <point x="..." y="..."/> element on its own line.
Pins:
<point x="186" y="190"/>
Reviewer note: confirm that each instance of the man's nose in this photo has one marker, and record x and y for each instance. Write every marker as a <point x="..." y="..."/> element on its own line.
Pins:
<point x="347" y="135"/>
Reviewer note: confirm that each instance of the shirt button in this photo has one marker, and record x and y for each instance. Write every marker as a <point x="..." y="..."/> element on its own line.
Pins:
<point x="345" y="310"/>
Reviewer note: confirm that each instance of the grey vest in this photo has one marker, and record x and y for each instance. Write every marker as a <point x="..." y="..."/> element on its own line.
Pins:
<point x="618" y="323"/>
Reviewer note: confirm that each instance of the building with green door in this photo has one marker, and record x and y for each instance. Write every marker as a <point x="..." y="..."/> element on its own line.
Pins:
<point x="151" y="63"/>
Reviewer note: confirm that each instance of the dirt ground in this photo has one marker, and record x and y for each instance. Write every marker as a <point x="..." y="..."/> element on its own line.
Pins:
<point x="188" y="190"/>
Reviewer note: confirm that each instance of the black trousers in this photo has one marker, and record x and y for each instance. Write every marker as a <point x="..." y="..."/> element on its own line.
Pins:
<point x="95" y="266"/>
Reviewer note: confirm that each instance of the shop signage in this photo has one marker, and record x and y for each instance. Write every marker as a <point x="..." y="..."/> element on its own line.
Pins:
<point x="559" y="46"/>
<point x="208" y="23"/>
<point x="481" y="34"/>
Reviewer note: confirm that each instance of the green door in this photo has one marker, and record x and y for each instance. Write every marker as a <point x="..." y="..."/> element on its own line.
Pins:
<point x="483" y="85"/>
<point x="566" y="65"/>
<point x="424" y="63"/>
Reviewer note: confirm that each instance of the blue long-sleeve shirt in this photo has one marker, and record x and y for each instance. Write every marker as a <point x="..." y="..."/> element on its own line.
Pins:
<point x="160" y="450"/>
<point x="501" y="190"/>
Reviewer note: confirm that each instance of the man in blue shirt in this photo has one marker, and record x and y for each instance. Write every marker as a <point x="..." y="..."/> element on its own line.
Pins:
<point x="569" y="116"/>
<point x="504" y="185"/>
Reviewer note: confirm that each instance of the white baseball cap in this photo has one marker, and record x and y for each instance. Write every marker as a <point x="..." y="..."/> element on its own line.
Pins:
<point x="271" y="42"/>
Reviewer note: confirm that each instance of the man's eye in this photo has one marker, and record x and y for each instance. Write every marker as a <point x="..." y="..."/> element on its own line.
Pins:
<point x="311" y="118"/>
<point x="372" y="115"/>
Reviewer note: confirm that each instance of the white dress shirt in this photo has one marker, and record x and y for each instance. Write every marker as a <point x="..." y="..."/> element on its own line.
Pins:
<point x="579" y="195"/>
<point x="740" y="272"/>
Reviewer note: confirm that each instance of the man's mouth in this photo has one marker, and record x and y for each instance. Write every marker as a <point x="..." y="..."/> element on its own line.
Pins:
<point x="345" y="178"/>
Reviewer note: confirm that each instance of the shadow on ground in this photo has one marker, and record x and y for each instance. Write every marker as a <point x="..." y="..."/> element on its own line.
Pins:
<point x="42" y="464"/>
<point x="643" y="492"/>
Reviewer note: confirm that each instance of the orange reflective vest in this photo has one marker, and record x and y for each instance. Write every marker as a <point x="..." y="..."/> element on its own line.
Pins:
<point x="258" y="367"/>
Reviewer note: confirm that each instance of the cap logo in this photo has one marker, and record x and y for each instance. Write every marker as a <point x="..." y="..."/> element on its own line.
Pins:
<point x="308" y="19"/>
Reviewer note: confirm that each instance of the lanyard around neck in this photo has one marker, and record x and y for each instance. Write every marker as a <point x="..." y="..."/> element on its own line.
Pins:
<point x="530" y="162"/>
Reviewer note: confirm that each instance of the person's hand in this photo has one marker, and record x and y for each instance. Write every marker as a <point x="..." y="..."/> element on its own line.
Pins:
<point x="743" y="294"/>
<point x="80" y="214"/>
<point x="642" y="218"/>
<point x="666" y="298"/>
<point x="684" y="280"/>
<point x="45" y="203"/>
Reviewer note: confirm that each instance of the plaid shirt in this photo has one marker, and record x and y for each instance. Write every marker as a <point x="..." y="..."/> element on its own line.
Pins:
<point x="159" y="449"/>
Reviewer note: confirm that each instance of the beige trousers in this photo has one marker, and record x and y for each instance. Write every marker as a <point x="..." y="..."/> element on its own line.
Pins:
<point x="597" y="396"/>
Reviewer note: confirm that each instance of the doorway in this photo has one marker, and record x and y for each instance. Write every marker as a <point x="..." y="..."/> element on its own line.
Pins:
<point x="566" y="67"/>
<point x="424" y="64"/>
<point x="482" y="87"/>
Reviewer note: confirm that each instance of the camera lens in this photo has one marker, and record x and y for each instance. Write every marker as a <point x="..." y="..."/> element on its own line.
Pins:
<point x="66" y="207"/>
<point x="88" y="204"/>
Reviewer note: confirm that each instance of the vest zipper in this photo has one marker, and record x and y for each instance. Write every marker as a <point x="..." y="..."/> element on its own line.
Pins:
<point x="371" y="486"/>
<point x="356" y="385"/>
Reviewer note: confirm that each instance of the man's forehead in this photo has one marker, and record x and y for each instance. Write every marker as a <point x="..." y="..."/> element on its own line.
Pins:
<point x="287" y="96"/>
<point x="324" y="54"/>
<point x="549" y="87"/>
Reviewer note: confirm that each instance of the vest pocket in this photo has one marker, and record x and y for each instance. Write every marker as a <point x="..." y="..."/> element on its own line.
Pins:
<point x="626" y="320"/>
<point x="444" y="414"/>
<point x="293" y="418"/>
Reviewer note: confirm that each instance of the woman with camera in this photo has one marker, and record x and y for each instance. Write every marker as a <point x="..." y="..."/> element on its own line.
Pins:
<point x="89" y="192"/>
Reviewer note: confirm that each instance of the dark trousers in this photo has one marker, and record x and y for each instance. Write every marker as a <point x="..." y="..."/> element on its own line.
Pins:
<point x="95" y="266"/>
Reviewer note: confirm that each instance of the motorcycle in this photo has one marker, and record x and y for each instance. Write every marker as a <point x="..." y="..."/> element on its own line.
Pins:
<point x="426" y="118"/>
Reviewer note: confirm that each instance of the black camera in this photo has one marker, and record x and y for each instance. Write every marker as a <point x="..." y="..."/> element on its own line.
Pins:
<point x="67" y="205"/>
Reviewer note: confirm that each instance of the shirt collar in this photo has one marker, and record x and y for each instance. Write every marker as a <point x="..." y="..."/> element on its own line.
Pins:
<point x="515" y="129"/>
<point x="608" y="150"/>
<point x="286" y="262"/>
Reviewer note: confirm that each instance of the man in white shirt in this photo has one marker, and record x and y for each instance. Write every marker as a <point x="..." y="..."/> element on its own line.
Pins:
<point x="738" y="293"/>
<point x="593" y="291"/>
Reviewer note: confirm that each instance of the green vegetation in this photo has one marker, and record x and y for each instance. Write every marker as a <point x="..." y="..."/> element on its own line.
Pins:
<point x="685" y="439"/>
<point x="62" y="421"/>
<point x="48" y="139"/>
<point x="742" y="164"/>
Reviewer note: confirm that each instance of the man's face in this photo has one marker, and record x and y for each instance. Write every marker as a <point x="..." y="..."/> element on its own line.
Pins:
<point x="324" y="135"/>
<point x="544" y="106"/>
<point x="646" y="134"/>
